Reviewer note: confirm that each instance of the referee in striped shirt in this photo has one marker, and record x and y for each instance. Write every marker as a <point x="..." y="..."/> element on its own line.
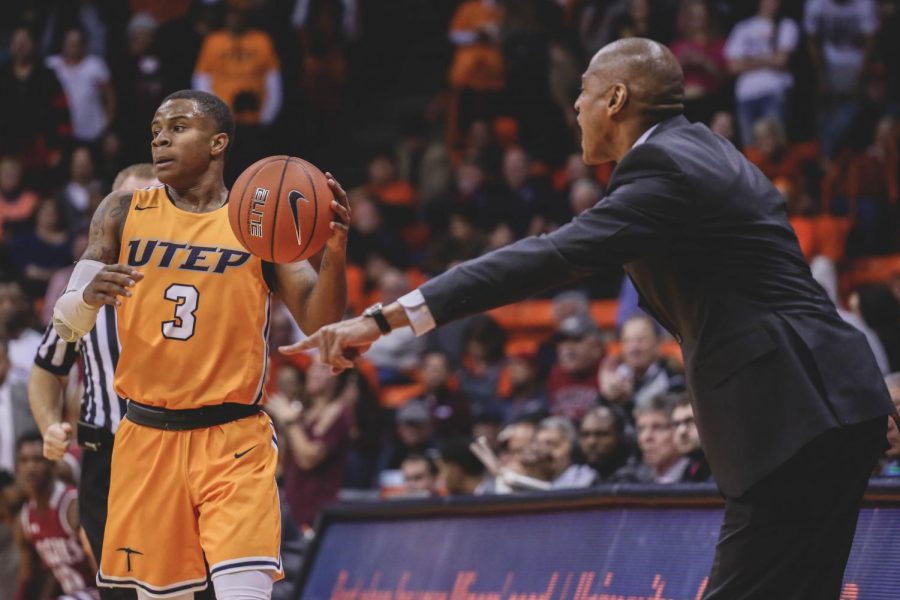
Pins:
<point x="101" y="408"/>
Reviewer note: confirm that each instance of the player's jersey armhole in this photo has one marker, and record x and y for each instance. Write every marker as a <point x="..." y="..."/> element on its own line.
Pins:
<point x="124" y="227"/>
<point x="268" y="275"/>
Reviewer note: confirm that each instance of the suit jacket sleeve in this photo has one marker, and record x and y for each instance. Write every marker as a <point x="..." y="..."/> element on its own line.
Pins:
<point x="647" y="204"/>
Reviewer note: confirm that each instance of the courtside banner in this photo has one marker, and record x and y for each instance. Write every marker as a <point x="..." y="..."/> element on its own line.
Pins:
<point x="611" y="543"/>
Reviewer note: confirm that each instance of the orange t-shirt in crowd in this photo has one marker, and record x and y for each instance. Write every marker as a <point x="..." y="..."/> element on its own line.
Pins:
<point x="238" y="63"/>
<point x="477" y="66"/>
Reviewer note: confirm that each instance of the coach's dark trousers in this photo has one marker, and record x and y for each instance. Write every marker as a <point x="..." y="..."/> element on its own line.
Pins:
<point x="789" y="536"/>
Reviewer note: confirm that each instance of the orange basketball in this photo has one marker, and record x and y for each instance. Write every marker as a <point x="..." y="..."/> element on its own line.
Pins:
<point x="280" y="209"/>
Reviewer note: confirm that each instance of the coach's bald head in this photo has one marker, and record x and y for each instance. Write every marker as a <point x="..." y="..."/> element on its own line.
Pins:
<point x="628" y="86"/>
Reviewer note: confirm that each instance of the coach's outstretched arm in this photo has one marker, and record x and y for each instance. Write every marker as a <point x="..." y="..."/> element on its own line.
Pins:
<point x="96" y="280"/>
<point x="317" y="300"/>
<point x="639" y="217"/>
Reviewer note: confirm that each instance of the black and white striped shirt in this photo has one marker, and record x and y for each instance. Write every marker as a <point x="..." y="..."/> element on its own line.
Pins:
<point x="99" y="350"/>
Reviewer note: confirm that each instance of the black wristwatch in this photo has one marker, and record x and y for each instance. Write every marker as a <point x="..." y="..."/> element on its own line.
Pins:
<point x="374" y="312"/>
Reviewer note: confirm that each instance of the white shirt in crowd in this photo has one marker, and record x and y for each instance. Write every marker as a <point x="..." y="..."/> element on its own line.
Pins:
<point x="21" y="352"/>
<point x="82" y="84"/>
<point x="755" y="38"/>
<point x="843" y="29"/>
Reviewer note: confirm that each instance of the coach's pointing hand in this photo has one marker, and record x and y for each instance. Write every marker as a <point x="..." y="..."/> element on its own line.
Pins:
<point x="339" y="343"/>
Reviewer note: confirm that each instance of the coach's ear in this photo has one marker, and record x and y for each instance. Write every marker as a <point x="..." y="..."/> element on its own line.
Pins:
<point x="218" y="144"/>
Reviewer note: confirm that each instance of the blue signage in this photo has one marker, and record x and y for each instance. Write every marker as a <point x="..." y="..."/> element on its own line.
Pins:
<point x="616" y="553"/>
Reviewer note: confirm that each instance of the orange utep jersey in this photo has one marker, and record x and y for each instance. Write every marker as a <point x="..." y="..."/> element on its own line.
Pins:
<point x="194" y="332"/>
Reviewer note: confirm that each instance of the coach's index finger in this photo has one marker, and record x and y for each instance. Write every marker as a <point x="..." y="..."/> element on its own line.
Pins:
<point x="309" y="343"/>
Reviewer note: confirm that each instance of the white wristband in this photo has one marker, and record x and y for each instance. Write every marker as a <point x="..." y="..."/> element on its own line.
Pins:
<point x="72" y="316"/>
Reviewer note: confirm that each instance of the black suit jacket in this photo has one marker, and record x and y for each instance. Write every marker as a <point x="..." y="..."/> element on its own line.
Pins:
<point x="704" y="236"/>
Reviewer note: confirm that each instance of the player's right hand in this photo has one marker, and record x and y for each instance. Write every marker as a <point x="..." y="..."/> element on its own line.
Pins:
<point x="56" y="440"/>
<point x="109" y="283"/>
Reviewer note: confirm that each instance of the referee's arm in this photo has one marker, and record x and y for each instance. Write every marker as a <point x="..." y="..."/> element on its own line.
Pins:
<point x="46" y="392"/>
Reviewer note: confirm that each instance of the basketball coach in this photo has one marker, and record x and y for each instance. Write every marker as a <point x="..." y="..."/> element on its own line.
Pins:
<point x="789" y="402"/>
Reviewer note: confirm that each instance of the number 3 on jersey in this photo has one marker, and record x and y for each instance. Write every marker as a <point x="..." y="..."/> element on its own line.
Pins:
<point x="186" y="298"/>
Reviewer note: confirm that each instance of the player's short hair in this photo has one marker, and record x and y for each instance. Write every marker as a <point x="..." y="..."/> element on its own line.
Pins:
<point x="139" y="170"/>
<point x="211" y="105"/>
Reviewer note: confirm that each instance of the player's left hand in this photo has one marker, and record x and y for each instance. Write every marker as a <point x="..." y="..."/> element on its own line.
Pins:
<point x="339" y="343"/>
<point x="337" y="242"/>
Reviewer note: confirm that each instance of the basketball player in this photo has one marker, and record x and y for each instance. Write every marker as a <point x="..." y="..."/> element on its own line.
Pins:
<point x="48" y="527"/>
<point x="193" y="467"/>
<point x="101" y="408"/>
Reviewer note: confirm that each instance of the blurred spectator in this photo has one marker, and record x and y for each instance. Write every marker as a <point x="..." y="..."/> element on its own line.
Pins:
<point x="526" y="397"/>
<point x="758" y="52"/>
<point x="603" y="442"/>
<point x="17" y="203"/>
<point x="46" y="530"/>
<point x="699" y="49"/>
<point x="841" y="39"/>
<point x="584" y="194"/>
<point x="483" y="363"/>
<point x="82" y="193"/>
<point x="34" y="112"/>
<point x="514" y="439"/>
<point x="413" y="435"/>
<point x="722" y="123"/>
<point x="60" y="279"/>
<point x="864" y="183"/>
<point x="890" y="465"/>
<point x="15" y="413"/>
<point x="368" y="428"/>
<point x="461" y="242"/>
<point x="572" y="383"/>
<point x="824" y="272"/>
<point x="450" y="410"/>
<point x="555" y="439"/>
<point x="396" y="196"/>
<point x="240" y="65"/>
<point x="399" y="352"/>
<point x="687" y="439"/>
<point x="84" y="15"/>
<point x="461" y="472"/>
<point x="881" y="311"/>
<point x="635" y="18"/>
<point x="43" y="250"/>
<point x="139" y="78"/>
<point x="324" y="28"/>
<point x="477" y="70"/>
<point x="16" y="327"/>
<point x="421" y="160"/>
<point x="661" y="462"/>
<point x="640" y="373"/>
<point x="419" y="476"/>
<point x="369" y="234"/>
<point x="771" y="152"/>
<point x="486" y="426"/>
<point x="531" y="200"/>
<point x="317" y="435"/>
<point x="471" y="197"/>
<point x="86" y="81"/>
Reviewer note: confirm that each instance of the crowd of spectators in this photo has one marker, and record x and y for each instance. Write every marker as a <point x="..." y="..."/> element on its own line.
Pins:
<point x="451" y="122"/>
